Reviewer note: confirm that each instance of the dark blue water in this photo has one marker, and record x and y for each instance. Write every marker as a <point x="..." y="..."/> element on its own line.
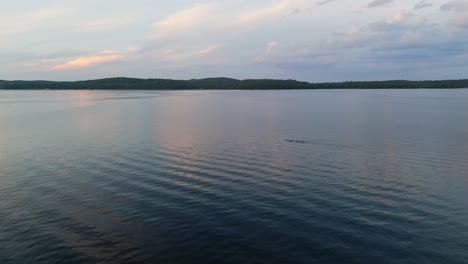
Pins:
<point x="209" y="177"/>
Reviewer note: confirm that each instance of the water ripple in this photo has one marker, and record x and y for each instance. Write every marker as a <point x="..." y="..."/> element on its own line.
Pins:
<point x="228" y="188"/>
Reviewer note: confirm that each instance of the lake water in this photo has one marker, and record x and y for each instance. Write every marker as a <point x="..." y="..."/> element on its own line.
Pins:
<point x="212" y="177"/>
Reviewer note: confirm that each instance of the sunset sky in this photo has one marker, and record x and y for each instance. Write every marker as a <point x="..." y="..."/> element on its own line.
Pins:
<point x="310" y="40"/>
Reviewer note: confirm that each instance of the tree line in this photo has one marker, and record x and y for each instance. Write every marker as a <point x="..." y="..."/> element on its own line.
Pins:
<point x="224" y="84"/>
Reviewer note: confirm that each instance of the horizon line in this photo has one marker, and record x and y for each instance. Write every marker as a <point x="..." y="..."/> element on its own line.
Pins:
<point x="223" y="77"/>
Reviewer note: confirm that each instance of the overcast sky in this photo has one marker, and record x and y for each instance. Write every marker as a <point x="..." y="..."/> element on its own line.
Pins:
<point x="311" y="40"/>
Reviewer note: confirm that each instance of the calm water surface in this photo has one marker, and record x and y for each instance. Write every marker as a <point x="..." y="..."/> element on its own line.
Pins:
<point x="208" y="177"/>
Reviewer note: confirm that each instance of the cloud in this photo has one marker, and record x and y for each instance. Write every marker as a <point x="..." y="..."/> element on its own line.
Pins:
<point x="462" y="21"/>
<point x="39" y="63"/>
<point x="174" y="54"/>
<point x="402" y="42"/>
<point x="184" y="20"/>
<point x="277" y="9"/>
<point x="269" y="49"/>
<point x="377" y="3"/>
<point x="209" y="49"/>
<point x="324" y="2"/>
<point x="202" y="24"/>
<point x="24" y="23"/>
<point x="397" y="16"/>
<point x="391" y="24"/>
<point x="104" y="24"/>
<point x="88" y="61"/>
<point x="272" y="45"/>
<point x="422" y="4"/>
<point x="460" y="8"/>
<point x="132" y="48"/>
<point x="222" y="18"/>
<point x="402" y="46"/>
<point x="304" y="39"/>
<point x="455" y="5"/>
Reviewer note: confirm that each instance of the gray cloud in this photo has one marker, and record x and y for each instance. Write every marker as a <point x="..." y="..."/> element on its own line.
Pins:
<point x="324" y="2"/>
<point x="377" y="3"/>
<point x="460" y="10"/>
<point x="422" y="4"/>
<point x="394" y="48"/>
<point x="455" y="5"/>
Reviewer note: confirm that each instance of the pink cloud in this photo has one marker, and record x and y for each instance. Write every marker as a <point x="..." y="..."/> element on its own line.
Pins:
<point x="271" y="46"/>
<point x="87" y="61"/>
<point x="397" y="16"/>
<point x="209" y="50"/>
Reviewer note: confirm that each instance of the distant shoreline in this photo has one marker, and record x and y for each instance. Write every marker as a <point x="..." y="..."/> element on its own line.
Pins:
<point x="122" y="83"/>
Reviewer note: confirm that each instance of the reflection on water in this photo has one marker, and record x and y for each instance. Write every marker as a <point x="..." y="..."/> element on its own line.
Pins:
<point x="207" y="177"/>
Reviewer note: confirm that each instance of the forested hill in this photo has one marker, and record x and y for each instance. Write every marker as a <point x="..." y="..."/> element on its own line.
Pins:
<point x="223" y="84"/>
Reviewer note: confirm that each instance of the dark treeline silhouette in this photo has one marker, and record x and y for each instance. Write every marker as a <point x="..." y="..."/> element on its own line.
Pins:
<point x="223" y="84"/>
